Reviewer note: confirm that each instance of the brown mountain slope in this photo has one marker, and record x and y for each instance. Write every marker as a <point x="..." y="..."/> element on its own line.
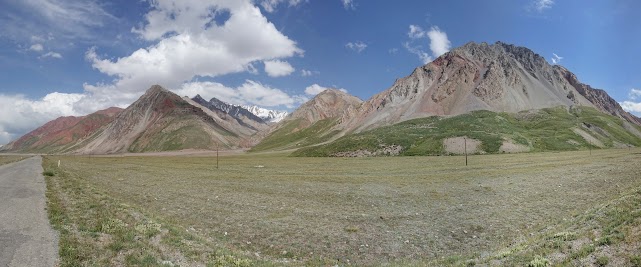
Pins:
<point x="316" y="121"/>
<point x="498" y="77"/>
<point x="63" y="133"/>
<point x="161" y="121"/>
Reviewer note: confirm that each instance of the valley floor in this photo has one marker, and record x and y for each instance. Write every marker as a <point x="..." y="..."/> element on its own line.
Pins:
<point x="270" y="209"/>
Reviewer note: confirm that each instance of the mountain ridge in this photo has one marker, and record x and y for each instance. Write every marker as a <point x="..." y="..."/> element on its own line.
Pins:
<point x="160" y="121"/>
<point x="499" y="78"/>
<point x="60" y="134"/>
<point x="496" y="77"/>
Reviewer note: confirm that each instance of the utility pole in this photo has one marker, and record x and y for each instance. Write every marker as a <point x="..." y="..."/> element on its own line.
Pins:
<point x="465" y="148"/>
<point x="216" y="156"/>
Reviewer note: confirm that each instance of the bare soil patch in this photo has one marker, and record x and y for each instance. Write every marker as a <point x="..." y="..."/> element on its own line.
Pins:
<point x="459" y="145"/>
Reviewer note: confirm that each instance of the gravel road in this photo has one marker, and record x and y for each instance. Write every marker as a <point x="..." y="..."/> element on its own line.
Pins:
<point x="26" y="238"/>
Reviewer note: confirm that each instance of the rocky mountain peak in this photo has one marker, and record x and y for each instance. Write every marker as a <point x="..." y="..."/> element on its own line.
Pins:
<point x="155" y="89"/>
<point x="498" y="77"/>
<point x="328" y="104"/>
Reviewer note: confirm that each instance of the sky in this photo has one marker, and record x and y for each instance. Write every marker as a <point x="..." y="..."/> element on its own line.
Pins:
<point x="74" y="57"/>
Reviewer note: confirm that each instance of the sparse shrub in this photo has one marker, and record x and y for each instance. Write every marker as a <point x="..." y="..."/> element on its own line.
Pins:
<point x="228" y="260"/>
<point x="604" y="241"/>
<point x="583" y="252"/>
<point x="351" y="229"/>
<point x="48" y="173"/>
<point x="112" y="225"/>
<point x="539" y="261"/>
<point x="602" y="261"/>
<point x="565" y="236"/>
<point x="148" y="229"/>
<point x="635" y="261"/>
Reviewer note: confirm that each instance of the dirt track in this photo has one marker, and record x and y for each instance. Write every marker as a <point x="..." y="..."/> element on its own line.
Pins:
<point x="26" y="238"/>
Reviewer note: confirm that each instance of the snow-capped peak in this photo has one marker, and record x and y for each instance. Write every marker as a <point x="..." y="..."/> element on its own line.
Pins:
<point x="267" y="115"/>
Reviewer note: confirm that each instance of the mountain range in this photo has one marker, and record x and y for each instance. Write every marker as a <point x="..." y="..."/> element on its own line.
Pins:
<point x="477" y="86"/>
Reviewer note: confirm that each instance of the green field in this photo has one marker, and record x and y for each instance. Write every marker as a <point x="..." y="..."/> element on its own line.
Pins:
<point x="572" y="208"/>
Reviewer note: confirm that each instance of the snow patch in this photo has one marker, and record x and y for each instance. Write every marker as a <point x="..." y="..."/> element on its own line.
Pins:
<point x="267" y="115"/>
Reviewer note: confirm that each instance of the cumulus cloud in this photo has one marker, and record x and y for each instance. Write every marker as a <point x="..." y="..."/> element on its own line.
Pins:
<point x="348" y="4"/>
<point x="356" y="46"/>
<point x="249" y="93"/>
<point x="556" y="59"/>
<point x="634" y="93"/>
<point x="307" y="73"/>
<point x="416" y="32"/>
<point x="631" y="104"/>
<point x="418" y="50"/>
<point x="36" y="47"/>
<point x="192" y="38"/>
<point x="439" y="43"/>
<point x="278" y="68"/>
<point x="542" y="5"/>
<point x="315" y="89"/>
<point x="270" y="5"/>
<point x="18" y="114"/>
<point x="189" y="39"/>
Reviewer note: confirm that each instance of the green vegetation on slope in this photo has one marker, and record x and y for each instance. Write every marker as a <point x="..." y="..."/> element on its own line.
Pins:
<point x="180" y="132"/>
<point x="290" y="136"/>
<point x="544" y="130"/>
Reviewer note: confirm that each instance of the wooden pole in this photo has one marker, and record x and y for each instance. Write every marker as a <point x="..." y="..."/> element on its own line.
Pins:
<point x="216" y="156"/>
<point x="465" y="147"/>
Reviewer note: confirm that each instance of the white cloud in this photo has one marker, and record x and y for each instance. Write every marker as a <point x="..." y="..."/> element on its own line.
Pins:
<point x="36" y="47"/>
<point x="631" y="105"/>
<point x="393" y="50"/>
<point x="357" y="46"/>
<point x="52" y="55"/>
<point x="270" y="5"/>
<point x="315" y="89"/>
<point x="634" y="93"/>
<point x="416" y="32"/>
<point x="349" y="4"/>
<point x="249" y="93"/>
<point x="541" y="5"/>
<point x="418" y="50"/>
<point x="556" y="59"/>
<point x="307" y="73"/>
<point x="278" y="68"/>
<point x="439" y="44"/>
<point x="19" y="114"/>
<point x="188" y="40"/>
<point x="191" y="41"/>
<point x="65" y="19"/>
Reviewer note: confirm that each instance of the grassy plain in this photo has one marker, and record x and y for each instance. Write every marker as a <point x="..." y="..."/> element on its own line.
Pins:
<point x="271" y="210"/>
<point x="6" y="159"/>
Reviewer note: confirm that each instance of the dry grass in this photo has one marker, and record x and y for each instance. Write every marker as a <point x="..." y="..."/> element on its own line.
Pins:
<point x="363" y="211"/>
<point x="6" y="159"/>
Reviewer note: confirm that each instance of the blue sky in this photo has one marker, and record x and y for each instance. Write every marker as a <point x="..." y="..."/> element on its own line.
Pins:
<point x="73" y="57"/>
